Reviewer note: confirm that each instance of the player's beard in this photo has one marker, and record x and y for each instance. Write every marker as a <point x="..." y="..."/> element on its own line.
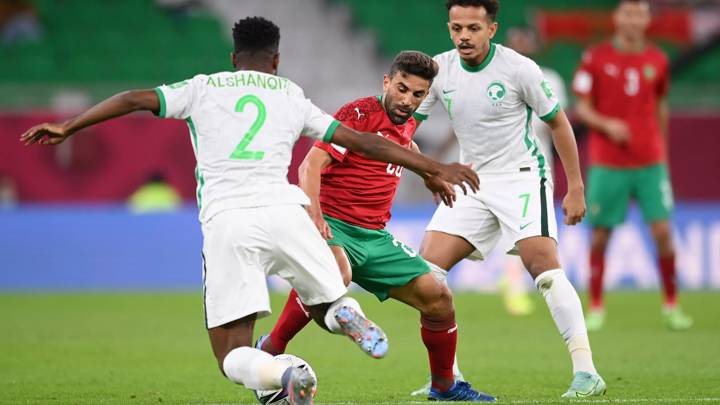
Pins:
<point x="390" y="110"/>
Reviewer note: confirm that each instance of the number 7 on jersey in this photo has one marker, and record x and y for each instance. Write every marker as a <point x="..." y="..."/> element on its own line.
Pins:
<point x="241" y="152"/>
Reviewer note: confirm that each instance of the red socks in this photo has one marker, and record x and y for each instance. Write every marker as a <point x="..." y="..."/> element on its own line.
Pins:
<point x="667" y="273"/>
<point x="293" y="318"/>
<point x="440" y="338"/>
<point x="597" y="268"/>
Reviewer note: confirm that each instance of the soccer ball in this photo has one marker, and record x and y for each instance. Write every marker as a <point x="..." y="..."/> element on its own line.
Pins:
<point x="280" y="397"/>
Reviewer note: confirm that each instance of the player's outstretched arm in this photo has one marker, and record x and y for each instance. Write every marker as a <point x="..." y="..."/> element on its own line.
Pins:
<point x="564" y="140"/>
<point x="309" y="181"/>
<point x="115" y="106"/>
<point x="378" y="148"/>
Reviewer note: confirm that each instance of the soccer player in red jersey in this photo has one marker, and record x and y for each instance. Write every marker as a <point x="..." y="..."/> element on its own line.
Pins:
<point x="351" y="197"/>
<point x="621" y="87"/>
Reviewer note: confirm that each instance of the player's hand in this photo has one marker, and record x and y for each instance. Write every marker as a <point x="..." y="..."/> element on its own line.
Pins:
<point x="320" y="223"/>
<point x="442" y="190"/>
<point x="460" y="175"/>
<point x="574" y="206"/>
<point x="617" y="130"/>
<point x="45" y="134"/>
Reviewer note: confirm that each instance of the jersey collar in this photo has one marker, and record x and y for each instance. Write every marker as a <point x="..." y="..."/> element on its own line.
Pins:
<point x="482" y="65"/>
<point x="616" y="46"/>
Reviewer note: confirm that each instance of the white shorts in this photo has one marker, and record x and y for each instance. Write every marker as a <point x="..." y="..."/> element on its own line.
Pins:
<point x="242" y="247"/>
<point x="506" y="209"/>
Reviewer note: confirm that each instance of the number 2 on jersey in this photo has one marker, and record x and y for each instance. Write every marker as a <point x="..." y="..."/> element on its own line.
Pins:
<point x="241" y="152"/>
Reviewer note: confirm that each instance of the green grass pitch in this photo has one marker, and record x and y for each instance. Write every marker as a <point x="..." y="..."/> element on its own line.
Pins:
<point x="145" y="348"/>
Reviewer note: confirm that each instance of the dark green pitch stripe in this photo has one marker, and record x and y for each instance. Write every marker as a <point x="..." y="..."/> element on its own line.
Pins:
<point x="543" y="209"/>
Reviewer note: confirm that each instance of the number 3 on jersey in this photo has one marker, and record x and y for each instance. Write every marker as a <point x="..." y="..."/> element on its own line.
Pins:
<point x="241" y="152"/>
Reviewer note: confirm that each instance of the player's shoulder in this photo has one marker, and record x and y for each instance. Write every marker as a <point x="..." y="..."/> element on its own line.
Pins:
<point x="445" y="57"/>
<point x="655" y="52"/>
<point x="209" y="78"/>
<point x="504" y="53"/>
<point x="199" y="79"/>
<point x="512" y="58"/>
<point x="512" y="63"/>
<point x="293" y="88"/>
<point x="360" y="110"/>
<point x="597" y="51"/>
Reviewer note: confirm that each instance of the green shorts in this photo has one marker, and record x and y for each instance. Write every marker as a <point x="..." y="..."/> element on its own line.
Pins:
<point x="610" y="191"/>
<point x="379" y="261"/>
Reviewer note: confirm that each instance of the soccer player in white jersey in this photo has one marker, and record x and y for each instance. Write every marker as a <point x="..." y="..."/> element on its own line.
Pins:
<point x="515" y="292"/>
<point x="243" y="126"/>
<point x="490" y="92"/>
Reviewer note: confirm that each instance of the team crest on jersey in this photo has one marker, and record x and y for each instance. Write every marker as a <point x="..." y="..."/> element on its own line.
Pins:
<point x="649" y="72"/>
<point x="496" y="92"/>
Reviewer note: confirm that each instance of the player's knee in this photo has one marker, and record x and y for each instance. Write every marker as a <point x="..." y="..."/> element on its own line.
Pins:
<point x="599" y="240"/>
<point x="439" y="304"/>
<point x="541" y="262"/>
<point x="663" y="240"/>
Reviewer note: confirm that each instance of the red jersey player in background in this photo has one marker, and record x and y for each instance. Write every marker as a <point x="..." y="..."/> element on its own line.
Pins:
<point x="351" y="197"/>
<point x="621" y="87"/>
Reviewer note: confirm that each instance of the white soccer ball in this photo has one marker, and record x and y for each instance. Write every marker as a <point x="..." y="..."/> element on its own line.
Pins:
<point x="280" y="397"/>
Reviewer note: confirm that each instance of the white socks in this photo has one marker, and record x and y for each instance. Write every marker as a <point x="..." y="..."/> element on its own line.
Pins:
<point x="254" y="369"/>
<point x="330" y="321"/>
<point x="566" y="311"/>
<point x="581" y="355"/>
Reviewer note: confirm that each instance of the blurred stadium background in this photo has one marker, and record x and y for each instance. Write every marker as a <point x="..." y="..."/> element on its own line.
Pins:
<point x="114" y="210"/>
<point x="59" y="56"/>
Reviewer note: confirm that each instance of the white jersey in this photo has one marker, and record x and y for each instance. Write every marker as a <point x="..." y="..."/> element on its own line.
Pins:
<point x="243" y="126"/>
<point x="540" y="128"/>
<point x="490" y="107"/>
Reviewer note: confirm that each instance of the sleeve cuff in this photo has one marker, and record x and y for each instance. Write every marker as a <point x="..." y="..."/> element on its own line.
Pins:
<point x="549" y="116"/>
<point x="420" y="117"/>
<point x="330" y="149"/>
<point x="163" y="105"/>
<point x="330" y="131"/>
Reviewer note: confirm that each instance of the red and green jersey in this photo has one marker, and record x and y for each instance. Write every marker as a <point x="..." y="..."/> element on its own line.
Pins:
<point x="353" y="188"/>
<point x="627" y="86"/>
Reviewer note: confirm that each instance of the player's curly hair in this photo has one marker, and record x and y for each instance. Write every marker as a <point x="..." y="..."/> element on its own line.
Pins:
<point x="415" y="63"/>
<point x="491" y="6"/>
<point x="256" y="34"/>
